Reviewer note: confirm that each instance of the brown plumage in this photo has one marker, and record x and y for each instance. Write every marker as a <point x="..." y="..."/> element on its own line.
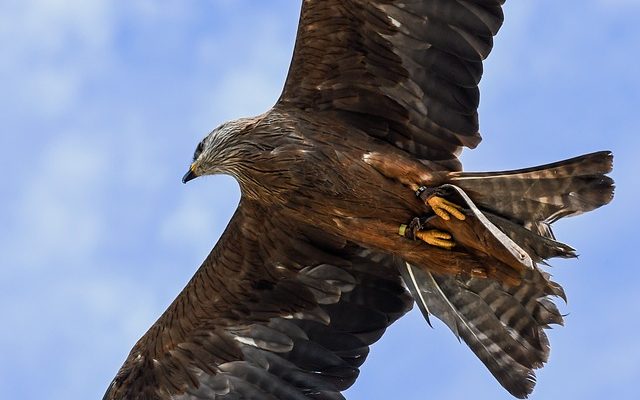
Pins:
<point x="380" y="98"/>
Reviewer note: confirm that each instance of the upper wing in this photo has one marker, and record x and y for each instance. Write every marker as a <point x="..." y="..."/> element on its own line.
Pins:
<point x="403" y="71"/>
<point x="265" y="321"/>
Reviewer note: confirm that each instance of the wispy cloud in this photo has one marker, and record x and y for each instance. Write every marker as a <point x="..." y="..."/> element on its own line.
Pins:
<point x="251" y="67"/>
<point x="57" y="212"/>
<point x="49" y="48"/>
<point x="106" y="100"/>
<point x="201" y="214"/>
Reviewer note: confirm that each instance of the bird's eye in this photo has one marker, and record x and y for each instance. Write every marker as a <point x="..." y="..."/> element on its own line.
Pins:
<point x="198" y="151"/>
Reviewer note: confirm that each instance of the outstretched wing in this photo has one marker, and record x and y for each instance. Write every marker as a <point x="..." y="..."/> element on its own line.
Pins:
<point x="403" y="71"/>
<point x="266" y="321"/>
<point x="503" y="325"/>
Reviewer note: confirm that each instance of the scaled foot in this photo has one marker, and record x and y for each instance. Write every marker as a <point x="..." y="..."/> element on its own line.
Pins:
<point x="436" y="238"/>
<point x="433" y="237"/>
<point x="445" y="209"/>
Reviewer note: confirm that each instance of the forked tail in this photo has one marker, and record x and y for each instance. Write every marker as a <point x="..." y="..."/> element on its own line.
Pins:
<point x="504" y="325"/>
<point x="538" y="196"/>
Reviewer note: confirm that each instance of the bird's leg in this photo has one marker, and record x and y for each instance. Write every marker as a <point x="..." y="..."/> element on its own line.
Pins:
<point x="442" y="207"/>
<point x="437" y="238"/>
<point x="418" y="178"/>
<point x="424" y="183"/>
<point x="433" y="237"/>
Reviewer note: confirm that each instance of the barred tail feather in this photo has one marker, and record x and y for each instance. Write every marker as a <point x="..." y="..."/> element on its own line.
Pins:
<point x="536" y="197"/>
<point x="540" y="246"/>
<point x="503" y="325"/>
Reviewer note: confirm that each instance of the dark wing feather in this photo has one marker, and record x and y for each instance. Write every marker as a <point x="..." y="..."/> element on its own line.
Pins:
<point x="403" y="71"/>
<point x="293" y="321"/>
<point x="503" y="325"/>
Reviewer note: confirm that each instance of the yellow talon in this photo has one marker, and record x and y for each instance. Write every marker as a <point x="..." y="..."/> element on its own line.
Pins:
<point x="436" y="238"/>
<point x="443" y="207"/>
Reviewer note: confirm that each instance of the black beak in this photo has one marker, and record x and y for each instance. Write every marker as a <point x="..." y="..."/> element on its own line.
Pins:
<point x="189" y="176"/>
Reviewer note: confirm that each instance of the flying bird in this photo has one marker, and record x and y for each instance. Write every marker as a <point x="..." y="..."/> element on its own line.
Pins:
<point x="354" y="207"/>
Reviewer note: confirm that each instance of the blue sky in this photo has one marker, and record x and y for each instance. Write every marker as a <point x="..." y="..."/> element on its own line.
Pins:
<point x="103" y="102"/>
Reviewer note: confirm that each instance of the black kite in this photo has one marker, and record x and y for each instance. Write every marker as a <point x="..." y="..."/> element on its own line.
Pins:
<point x="354" y="206"/>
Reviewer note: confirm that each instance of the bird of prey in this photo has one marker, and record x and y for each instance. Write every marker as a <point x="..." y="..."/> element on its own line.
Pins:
<point x="354" y="207"/>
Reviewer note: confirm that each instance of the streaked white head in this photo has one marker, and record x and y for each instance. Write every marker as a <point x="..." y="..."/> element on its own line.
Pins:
<point x="221" y="151"/>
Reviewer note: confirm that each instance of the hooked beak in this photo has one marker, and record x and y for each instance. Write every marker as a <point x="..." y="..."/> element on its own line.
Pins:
<point x="190" y="175"/>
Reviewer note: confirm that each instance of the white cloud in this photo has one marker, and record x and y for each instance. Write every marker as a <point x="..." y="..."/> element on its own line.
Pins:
<point x="252" y="71"/>
<point x="142" y="154"/>
<point x="56" y="214"/>
<point x="50" y="47"/>
<point x="89" y="271"/>
<point x="48" y="25"/>
<point x="201" y="215"/>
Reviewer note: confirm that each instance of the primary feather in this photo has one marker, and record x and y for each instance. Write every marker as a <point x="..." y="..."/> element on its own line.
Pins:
<point x="503" y="326"/>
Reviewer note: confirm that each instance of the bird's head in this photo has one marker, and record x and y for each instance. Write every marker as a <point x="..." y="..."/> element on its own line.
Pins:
<point x="220" y="152"/>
